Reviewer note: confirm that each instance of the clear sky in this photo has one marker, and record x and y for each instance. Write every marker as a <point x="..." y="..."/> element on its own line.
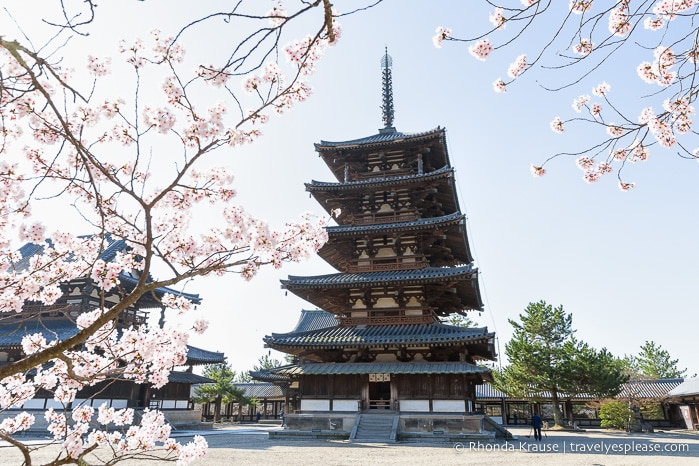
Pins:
<point x="624" y="264"/>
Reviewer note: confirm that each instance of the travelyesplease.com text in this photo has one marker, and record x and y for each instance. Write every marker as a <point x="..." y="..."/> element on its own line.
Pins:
<point x="601" y="447"/>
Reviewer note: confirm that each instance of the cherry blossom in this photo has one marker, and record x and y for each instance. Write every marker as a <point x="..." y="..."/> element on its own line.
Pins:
<point x="441" y="34"/>
<point x="481" y="49"/>
<point x="580" y="6"/>
<point x="538" y="171"/>
<point x="499" y="86"/>
<point x="557" y="125"/>
<point x="517" y="67"/>
<point x="135" y="153"/>
<point x="497" y="19"/>
<point x="584" y="47"/>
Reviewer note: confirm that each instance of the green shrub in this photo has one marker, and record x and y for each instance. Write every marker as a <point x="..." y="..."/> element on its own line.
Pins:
<point x="615" y="415"/>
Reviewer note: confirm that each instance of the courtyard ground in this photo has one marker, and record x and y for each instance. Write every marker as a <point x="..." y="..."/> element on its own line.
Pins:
<point x="250" y="445"/>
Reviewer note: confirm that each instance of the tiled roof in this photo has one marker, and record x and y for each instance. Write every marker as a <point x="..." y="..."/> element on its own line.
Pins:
<point x="454" y="218"/>
<point x="197" y="356"/>
<point x="382" y="137"/>
<point x="11" y="334"/>
<point x="315" y="320"/>
<point x="342" y="280"/>
<point x="261" y="390"/>
<point x="367" y="336"/>
<point x="648" y="388"/>
<point x="444" y="172"/>
<point x="686" y="388"/>
<point x="265" y="375"/>
<point x="422" y="367"/>
<point x="636" y="389"/>
<point x="113" y="246"/>
<point x="188" y="377"/>
<point x="488" y="391"/>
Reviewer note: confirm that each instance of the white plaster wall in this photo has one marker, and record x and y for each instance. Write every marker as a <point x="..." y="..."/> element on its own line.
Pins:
<point x="448" y="406"/>
<point x="346" y="405"/>
<point x="421" y="406"/>
<point x="315" y="405"/>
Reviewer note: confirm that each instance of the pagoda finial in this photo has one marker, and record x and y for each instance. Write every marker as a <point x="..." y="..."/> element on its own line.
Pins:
<point x="387" y="106"/>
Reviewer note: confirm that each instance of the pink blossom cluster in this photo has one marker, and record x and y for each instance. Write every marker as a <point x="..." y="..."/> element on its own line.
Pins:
<point x="441" y="34"/>
<point x="159" y="50"/>
<point x="152" y="433"/>
<point x="277" y="15"/>
<point x="620" y="19"/>
<point x="584" y="47"/>
<point x="557" y="125"/>
<point x="499" y="86"/>
<point x="538" y="171"/>
<point x="161" y="119"/>
<point x="659" y="72"/>
<point x="212" y="75"/>
<point x="517" y="67"/>
<point x="670" y="9"/>
<point x="601" y="90"/>
<point x="20" y="422"/>
<point x="580" y="6"/>
<point x="581" y="102"/>
<point x="497" y="19"/>
<point x="98" y="67"/>
<point x="591" y="171"/>
<point x="481" y="49"/>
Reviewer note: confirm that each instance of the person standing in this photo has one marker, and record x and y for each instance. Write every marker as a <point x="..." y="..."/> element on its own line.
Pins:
<point x="536" y="425"/>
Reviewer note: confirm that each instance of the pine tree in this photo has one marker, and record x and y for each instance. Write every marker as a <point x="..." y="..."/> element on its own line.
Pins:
<point x="545" y="357"/>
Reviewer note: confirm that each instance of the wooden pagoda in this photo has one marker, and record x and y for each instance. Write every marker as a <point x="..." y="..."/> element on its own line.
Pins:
<point x="377" y="344"/>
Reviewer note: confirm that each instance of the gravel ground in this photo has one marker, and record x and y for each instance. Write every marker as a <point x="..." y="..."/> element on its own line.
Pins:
<point x="250" y="445"/>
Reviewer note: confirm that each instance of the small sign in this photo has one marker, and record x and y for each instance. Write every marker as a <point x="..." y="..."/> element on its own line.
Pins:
<point x="379" y="377"/>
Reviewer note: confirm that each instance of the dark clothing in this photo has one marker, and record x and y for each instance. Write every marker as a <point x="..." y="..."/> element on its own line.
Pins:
<point x="536" y="425"/>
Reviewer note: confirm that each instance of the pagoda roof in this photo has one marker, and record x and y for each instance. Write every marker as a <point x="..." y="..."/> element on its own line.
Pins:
<point x="457" y="241"/>
<point x="419" y="367"/>
<point x="127" y="280"/>
<point x="384" y="136"/>
<point x="352" y="230"/>
<point x="337" y="337"/>
<point x="441" y="173"/>
<point x="339" y="195"/>
<point x="328" y="291"/>
<point x="315" y="319"/>
<point x="197" y="356"/>
<point x="345" y="280"/>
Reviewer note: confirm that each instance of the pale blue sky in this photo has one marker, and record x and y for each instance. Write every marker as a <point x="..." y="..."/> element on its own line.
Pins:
<point x="622" y="263"/>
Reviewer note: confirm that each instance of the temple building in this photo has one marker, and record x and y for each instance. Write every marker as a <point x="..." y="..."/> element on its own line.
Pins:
<point x="377" y="351"/>
<point x="56" y="322"/>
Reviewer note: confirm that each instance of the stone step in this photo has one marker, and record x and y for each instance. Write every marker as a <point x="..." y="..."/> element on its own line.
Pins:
<point x="374" y="428"/>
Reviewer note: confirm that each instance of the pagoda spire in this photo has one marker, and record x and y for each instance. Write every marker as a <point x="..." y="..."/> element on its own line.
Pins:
<point x="387" y="105"/>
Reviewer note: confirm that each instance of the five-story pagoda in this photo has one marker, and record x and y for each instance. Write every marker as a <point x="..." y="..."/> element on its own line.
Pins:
<point x="377" y="342"/>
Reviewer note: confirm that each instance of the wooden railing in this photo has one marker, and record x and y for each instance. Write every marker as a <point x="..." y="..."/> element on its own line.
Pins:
<point x="400" y="319"/>
<point x="385" y="173"/>
<point x="381" y="264"/>
<point x="379" y="218"/>
<point x="379" y="404"/>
